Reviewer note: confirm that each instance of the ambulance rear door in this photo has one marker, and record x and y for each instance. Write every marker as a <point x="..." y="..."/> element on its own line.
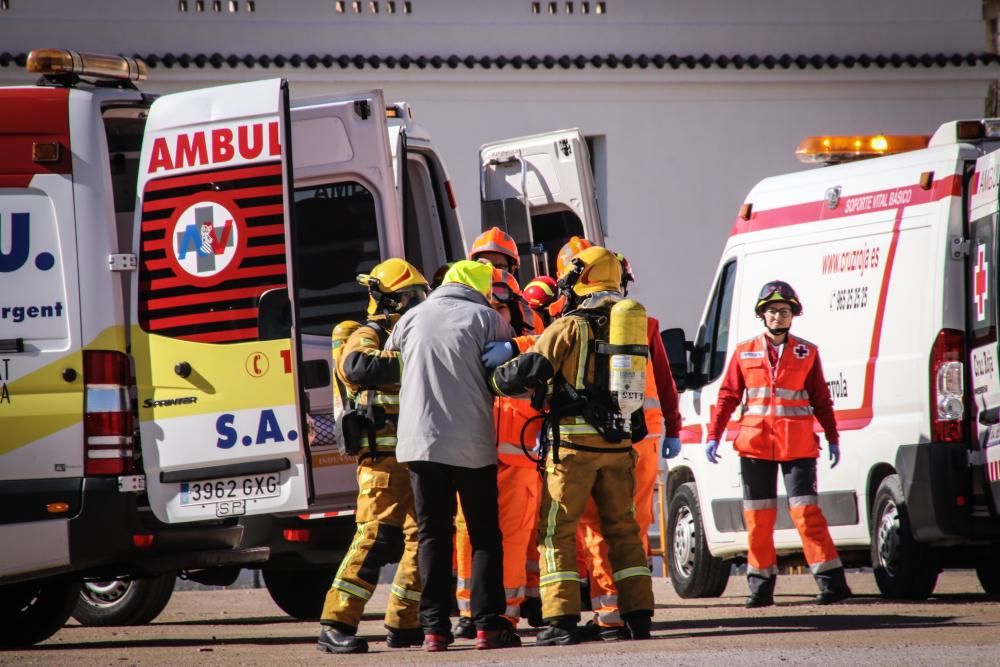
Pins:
<point x="220" y="368"/>
<point x="540" y="189"/>
<point x="981" y="308"/>
<point x="347" y="213"/>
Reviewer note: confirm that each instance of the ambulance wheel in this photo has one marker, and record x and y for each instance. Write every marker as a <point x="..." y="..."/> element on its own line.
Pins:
<point x="299" y="593"/>
<point x="33" y="611"/>
<point x="904" y="568"/>
<point x="694" y="571"/>
<point x="123" y="601"/>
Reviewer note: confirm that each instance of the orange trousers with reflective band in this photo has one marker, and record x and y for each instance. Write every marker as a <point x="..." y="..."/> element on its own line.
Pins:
<point x="519" y="496"/>
<point x="603" y="592"/>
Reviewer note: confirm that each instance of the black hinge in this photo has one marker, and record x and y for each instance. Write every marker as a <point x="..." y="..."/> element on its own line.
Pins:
<point x="565" y="148"/>
<point x="363" y="109"/>
<point x="12" y="345"/>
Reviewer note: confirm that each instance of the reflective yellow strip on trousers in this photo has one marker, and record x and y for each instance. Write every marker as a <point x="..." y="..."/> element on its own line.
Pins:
<point x="349" y="556"/>
<point x="550" y="531"/>
<point x="638" y="571"/>
<point x="351" y="589"/>
<point x="404" y="594"/>
<point x="563" y="575"/>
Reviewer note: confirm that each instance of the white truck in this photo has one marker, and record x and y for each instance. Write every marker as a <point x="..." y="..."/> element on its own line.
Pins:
<point x="894" y="261"/>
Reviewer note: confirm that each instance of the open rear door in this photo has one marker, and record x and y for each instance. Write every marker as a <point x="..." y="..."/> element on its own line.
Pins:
<point x="982" y="308"/>
<point x="346" y="211"/>
<point x="217" y="360"/>
<point x="540" y="190"/>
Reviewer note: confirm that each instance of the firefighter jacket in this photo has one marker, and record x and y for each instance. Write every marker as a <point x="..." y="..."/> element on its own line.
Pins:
<point x="565" y="352"/>
<point x="371" y="375"/>
<point x="780" y="403"/>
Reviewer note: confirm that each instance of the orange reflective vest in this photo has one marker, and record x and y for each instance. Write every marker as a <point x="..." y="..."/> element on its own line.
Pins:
<point x="651" y="408"/>
<point x="514" y="417"/>
<point x="777" y="422"/>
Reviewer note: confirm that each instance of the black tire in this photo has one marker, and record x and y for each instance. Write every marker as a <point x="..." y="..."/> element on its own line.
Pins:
<point x="299" y="593"/>
<point x="33" y="611"/>
<point x="989" y="577"/>
<point x="123" y="601"/>
<point x="694" y="571"/>
<point x="904" y="569"/>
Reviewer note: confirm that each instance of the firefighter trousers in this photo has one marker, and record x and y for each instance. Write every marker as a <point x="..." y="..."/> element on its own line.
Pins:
<point x="519" y="496"/>
<point x="603" y="592"/>
<point x="386" y="533"/>
<point x="608" y="477"/>
<point x="760" y="511"/>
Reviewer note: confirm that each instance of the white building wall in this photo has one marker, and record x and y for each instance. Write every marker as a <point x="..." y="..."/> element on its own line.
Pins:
<point x="681" y="147"/>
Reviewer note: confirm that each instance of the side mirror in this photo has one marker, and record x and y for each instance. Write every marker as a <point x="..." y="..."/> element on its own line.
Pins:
<point x="315" y="374"/>
<point x="274" y="315"/>
<point x="676" y="346"/>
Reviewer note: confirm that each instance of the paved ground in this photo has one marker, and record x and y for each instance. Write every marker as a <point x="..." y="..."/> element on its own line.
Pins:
<point x="959" y="626"/>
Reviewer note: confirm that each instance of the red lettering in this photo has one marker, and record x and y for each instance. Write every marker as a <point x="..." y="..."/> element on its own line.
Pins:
<point x="191" y="149"/>
<point x="222" y="145"/>
<point x="273" y="145"/>
<point x="218" y="245"/>
<point x="160" y="158"/>
<point x="250" y="151"/>
<point x="286" y="356"/>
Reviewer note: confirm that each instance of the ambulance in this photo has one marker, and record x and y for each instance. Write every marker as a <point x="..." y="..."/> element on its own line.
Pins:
<point x="894" y="260"/>
<point x="171" y="269"/>
<point x="541" y="190"/>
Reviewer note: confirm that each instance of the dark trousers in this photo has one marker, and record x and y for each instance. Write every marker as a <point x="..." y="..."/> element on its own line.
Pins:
<point x="434" y="488"/>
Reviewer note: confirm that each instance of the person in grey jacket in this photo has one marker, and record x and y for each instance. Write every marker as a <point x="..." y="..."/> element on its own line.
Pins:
<point x="447" y="436"/>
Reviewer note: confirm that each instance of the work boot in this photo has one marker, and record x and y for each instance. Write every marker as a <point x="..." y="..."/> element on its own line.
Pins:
<point x="504" y="637"/>
<point x="832" y="586"/>
<point x="437" y="642"/>
<point x="638" y="623"/>
<point x="531" y="611"/>
<point x="562" y="631"/>
<point x="334" y="640"/>
<point x="404" y="638"/>
<point x="761" y="591"/>
<point x="593" y="631"/>
<point x="465" y="628"/>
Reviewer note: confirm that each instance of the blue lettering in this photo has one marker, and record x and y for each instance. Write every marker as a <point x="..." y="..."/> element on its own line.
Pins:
<point x="189" y="241"/>
<point x="227" y="434"/>
<point x="268" y="428"/>
<point x="18" y="255"/>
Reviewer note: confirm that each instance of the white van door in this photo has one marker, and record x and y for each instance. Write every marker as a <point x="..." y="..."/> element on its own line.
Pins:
<point x="981" y="306"/>
<point x="540" y="189"/>
<point x="348" y="218"/>
<point x="221" y="303"/>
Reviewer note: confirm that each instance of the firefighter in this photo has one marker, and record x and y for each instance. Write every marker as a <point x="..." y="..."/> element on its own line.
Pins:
<point x="518" y="482"/>
<point x="781" y="377"/>
<point x="663" y="422"/>
<point x="591" y="452"/>
<point x="386" y="521"/>
<point x="498" y="248"/>
<point x="539" y="295"/>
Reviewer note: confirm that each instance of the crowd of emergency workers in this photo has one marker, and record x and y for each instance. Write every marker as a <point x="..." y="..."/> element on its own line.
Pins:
<point x="495" y="444"/>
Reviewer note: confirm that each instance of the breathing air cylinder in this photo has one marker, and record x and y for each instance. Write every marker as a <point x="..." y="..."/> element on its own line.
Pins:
<point x="338" y="337"/>
<point x="628" y="351"/>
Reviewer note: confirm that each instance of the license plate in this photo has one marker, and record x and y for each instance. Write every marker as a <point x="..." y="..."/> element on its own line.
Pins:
<point x="251" y="487"/>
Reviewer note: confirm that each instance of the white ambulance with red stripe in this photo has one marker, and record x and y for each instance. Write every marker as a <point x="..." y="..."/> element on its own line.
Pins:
<point x="894" y="261"/>
<point x="172" y="268"/>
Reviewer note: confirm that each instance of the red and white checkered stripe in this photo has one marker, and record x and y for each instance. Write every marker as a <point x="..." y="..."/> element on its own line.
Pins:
<point x="325" y="515"/>
<point x="993" y="470"/>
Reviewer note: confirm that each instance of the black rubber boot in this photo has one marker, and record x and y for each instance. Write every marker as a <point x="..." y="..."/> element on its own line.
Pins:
<point x="832" y="586"/>
<point x="638" y="623"/>
<point x="531" y="611"/>
<point x="761" y="591"/>
<point x="335" y="640"/>
<point x="404" y="638"/>
<point x="562" y="631"/>
<point x="465" y="628"/>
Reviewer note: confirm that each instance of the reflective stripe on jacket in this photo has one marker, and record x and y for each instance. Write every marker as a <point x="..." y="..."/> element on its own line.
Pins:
<point x="777" y="421"/>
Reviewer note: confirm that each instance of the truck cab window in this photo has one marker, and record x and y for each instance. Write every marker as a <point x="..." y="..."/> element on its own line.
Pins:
<point x="716" y="330"/>
<point x="338" y="239"/>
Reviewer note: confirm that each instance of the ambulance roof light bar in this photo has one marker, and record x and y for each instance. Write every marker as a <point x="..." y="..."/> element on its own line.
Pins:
<point x="837" y="149"/>
<point x="62" y="65"/>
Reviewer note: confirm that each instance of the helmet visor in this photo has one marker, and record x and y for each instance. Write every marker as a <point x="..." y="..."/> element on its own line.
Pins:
<point x="775" y="291"/>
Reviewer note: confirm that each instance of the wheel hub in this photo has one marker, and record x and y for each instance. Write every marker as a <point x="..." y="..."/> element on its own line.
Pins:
<point x="684" y="541"/>
<point x="887" y="537"/>
<point x="106" y="593"/>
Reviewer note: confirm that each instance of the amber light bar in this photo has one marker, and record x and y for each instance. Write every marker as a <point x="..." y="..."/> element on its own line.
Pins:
<point x="833" y="150"/>
<point x="55" y="62"/>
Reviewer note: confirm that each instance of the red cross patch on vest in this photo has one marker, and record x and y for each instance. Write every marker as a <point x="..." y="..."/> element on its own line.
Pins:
<point x="801" y="351"/>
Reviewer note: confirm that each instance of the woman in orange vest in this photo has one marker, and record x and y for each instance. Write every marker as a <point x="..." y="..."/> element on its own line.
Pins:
<point x="782" y="379"/>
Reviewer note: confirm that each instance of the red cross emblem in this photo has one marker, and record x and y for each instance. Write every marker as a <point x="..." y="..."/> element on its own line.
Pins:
<point x="801" y="351"/>
<point x="980" y="282"/>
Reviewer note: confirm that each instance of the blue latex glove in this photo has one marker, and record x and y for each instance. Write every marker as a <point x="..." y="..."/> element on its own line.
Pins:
<point x="496" y="353"/>
<point x="712" y="451"/>
<point x="670" y="447"/>
<point x="834" y="454"/>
